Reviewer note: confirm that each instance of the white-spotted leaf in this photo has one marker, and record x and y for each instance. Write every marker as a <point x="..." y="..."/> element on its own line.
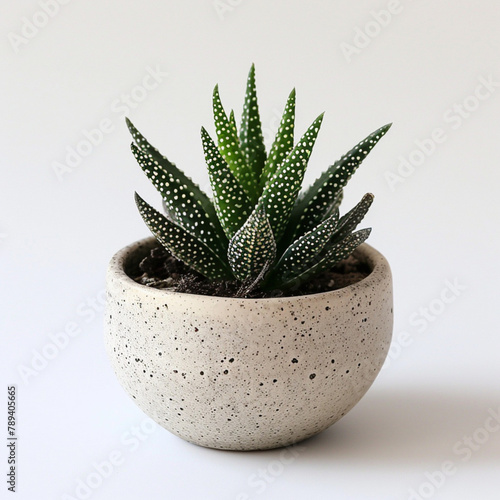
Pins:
<point x="251" y="139"/>
<point x="348" y="223"/>
<point x="301" y="253"/>
<point x="312" y="205"/>
<point x="253" y="248"/>
<point x="163" y="165"/>
<point x="281" y="191"/>
<point x="229" y="147"/>
<point x="232" y="122"/>
<point x="325" y="260"/>
<point x="182" y="244"/>
<point x="182" y="204"/>
<point x="283" y="142"/>
<point x="231" y="202"/>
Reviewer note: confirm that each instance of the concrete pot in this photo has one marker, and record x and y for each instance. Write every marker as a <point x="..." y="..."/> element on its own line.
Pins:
<point x="247" y="374"/>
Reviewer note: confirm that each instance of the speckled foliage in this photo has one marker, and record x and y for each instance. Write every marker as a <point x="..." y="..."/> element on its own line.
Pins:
<point x="259" y="225"/>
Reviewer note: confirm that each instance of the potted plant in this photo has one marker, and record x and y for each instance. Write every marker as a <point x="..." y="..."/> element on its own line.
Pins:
<point x="232" y="327"/>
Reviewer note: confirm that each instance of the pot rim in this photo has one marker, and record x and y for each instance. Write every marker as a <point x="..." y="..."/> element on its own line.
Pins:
<point x="380" y="270"/>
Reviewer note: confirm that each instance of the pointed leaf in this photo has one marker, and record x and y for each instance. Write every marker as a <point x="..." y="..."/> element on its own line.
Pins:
<point x="231" y="202"/>
<point x="283" y="142"/>
<point x="348" y="223"/>
<point x="230" y="150"/>
<point x="317" y="199"/>
<point x="182" y="205"/>
<point x="281" y="191"/>
<point x="232" y="122"/>
<point x="302" y="252"/>
<point x="335" y="204"/>
<point x="170" y="170"/>
<point x="326" y="260"/>
<point x="182" y="244"/>
<point x="251" y="139"/>
<point x="293" y="232"/>
<point x="253" y="247"/>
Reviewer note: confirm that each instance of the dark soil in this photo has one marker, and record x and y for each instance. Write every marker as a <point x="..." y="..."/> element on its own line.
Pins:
<point x="161" y="270"/>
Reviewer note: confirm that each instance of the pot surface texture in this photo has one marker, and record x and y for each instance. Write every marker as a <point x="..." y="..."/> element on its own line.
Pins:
<point x="247" y="374"/>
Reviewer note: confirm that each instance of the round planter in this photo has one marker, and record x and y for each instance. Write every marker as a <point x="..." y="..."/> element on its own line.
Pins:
<point x="246" y="374"/>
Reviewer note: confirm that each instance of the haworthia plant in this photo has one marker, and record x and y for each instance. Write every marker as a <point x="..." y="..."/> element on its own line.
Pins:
<point x="259" y="226"/>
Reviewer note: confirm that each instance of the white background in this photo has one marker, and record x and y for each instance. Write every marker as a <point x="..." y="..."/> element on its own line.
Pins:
<point x="437" y="223"/>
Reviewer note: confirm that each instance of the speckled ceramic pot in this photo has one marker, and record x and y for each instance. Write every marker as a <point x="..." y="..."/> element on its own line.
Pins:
<point x="247" y="374"/>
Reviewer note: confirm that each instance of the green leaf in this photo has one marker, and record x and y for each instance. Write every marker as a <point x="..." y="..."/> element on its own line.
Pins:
<point x="230" y="150"/>
<point x="281" y="191"/>
<point x="312" y="206"/>
<point x="283" y="142"/>
<point x="183" y="206"/>
<point x="165" y="167"/>
<point x="302" y="252"/>
<point x="231" y="202"/>
<point x="182" y="244"/>
<point x="232" y="122"/>
<point x="251" y="140"/>
<point x="253" y="248"/>
<point x="293" y="232"/>
<point x="334" y="206"/>
<point x="325" y="260"/>
<point x="351" y="219"/>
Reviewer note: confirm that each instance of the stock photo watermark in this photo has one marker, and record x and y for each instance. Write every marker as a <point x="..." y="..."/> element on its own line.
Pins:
<point x="463" y="450"/>
<point x="85" y="312"/>
<point x="101" y="470"/>
<point x="365" y="34"/>
<point x="422" y="319"/>
<point x="119" y="109"/>
<point x="32" y="25"/>
<point x="259" y="481"/>
<point x="223" y="7"/>
<point x="269" y="132"/>
<point x="453" y="119"/>
<point x="11" y="438"/>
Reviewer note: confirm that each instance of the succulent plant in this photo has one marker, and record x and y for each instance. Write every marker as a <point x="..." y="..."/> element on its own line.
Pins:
<point x="259" y="228"/>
